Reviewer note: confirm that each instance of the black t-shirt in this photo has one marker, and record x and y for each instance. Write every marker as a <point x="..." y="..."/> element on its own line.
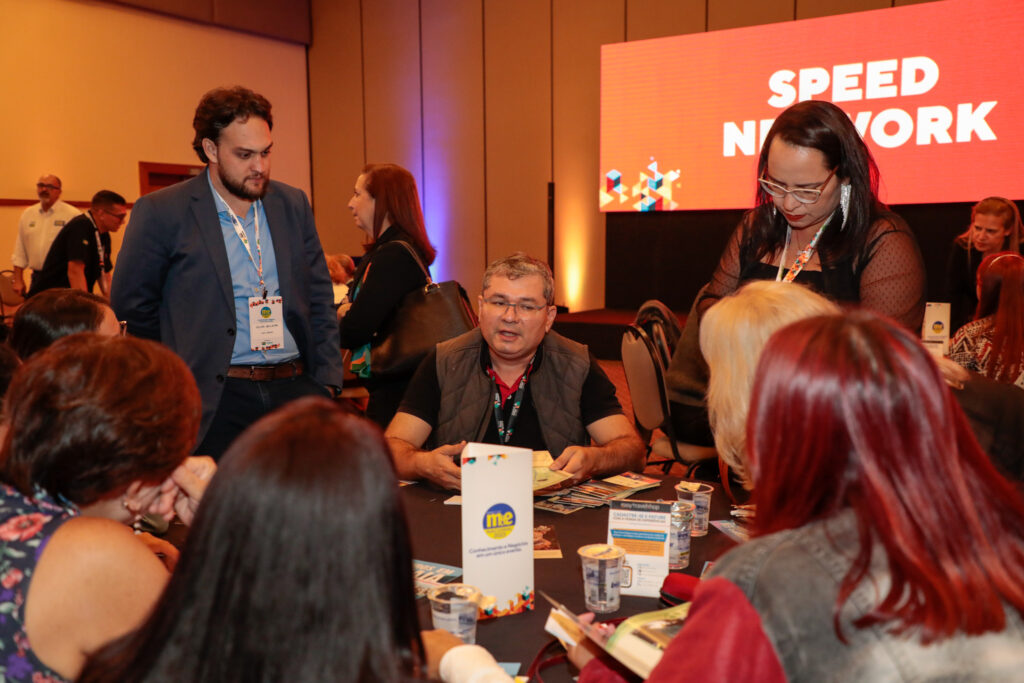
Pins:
<point x="423" y="399"/>
<point x="76" y="241"/>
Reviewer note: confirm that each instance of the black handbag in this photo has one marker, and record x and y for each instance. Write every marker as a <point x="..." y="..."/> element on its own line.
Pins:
<point x="427" y="316"/>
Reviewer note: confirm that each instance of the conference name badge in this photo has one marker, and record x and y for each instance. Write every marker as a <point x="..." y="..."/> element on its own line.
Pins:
<point x="497" y="525"/>
<point x="266" y="323"/>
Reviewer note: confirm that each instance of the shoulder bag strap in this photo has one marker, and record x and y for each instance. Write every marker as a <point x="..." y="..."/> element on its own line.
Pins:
<point x="416" y="258"/>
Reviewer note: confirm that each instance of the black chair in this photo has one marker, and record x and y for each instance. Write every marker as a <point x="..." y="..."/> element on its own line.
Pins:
<point x="644" y="367"/>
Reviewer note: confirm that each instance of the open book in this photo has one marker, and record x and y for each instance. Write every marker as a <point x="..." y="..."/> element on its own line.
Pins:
<point x="638" y="642"/>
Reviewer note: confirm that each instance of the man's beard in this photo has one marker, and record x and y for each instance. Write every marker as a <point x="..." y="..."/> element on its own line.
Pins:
<point x="240" y="190"/>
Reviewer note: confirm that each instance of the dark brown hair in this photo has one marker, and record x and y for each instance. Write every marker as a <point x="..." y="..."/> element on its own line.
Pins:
<point x="220" y="107"/>
<point x="52" y="314"/>
<point x="823" y="126"/>
<point x="297" y="566"/>
<point x="91" y="414"/>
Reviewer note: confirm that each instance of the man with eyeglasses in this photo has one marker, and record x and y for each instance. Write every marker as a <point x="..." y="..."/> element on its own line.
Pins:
<point x="38" y="227"/>
<point x="513" y="381"/>
<point x="80" y="254"/>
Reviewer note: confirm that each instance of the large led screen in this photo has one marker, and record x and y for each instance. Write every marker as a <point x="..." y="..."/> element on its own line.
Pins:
<point x="936" y="89"/>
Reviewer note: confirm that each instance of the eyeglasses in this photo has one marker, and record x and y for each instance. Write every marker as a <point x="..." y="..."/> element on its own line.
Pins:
<point x="40" y="186"/>
<point x="119" y="216"/>
<point x="524" y="309"/>
<point x="801" y="194"/>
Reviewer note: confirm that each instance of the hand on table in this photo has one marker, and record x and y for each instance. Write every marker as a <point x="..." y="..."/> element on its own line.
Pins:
<point x="181" y="492"/>
<point x="437" y="465"/>
<point x="436" y="644"/>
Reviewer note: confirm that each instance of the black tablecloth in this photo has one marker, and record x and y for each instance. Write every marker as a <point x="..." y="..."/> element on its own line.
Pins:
<point x="437" y="537"/>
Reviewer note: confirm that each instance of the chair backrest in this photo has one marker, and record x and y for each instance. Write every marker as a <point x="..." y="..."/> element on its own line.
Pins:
<point x="661" y="325"/>
<point x="645" y="376"/>
<point x="7" y="293"/>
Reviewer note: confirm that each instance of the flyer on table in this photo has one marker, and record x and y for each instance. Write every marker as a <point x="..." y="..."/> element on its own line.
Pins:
<point x="641" y="528"/>
<point x="497" y="524"/>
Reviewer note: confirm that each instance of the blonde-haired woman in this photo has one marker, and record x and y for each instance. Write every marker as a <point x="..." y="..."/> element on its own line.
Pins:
<point x="995" y="226"/>
<point x="732" y="335"/>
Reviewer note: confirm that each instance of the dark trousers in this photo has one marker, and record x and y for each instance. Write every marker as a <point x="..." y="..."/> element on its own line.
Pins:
<point x="245" y="401"/>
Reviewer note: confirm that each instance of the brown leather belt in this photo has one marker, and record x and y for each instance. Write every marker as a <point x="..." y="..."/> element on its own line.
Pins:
<point x="265" y="373"/>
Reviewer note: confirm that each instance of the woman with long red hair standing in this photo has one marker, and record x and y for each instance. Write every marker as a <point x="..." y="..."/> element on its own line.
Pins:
<point x="993" y="344"/>
<point x="886" y="546"/>
<point x="386" y="206"/>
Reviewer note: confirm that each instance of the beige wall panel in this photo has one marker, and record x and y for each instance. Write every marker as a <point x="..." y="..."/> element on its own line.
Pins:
<point x="736" y="13"/>
<point x="391" y="86"/>
<point x="336" y="120"/>
<point x="122" y="88"/>
<point x="580" y="27"/>
<point x="452" y="188"/>
<point x="807" y="9"/>
<point x="660" y="18"/>
<point x="518" y="76"/>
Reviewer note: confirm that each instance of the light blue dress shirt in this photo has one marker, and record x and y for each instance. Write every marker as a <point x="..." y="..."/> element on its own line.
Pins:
<point x="245" y="282"/>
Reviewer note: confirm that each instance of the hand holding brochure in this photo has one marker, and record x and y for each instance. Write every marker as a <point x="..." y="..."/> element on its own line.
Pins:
<point x="638" y="642"/>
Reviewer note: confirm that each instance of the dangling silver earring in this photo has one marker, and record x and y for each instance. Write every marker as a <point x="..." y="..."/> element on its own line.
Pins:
<point x="844" y="203"/>
<point x="775" y="211"/>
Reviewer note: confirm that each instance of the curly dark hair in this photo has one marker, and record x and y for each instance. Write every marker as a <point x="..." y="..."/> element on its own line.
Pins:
<point x="221" y="107"/>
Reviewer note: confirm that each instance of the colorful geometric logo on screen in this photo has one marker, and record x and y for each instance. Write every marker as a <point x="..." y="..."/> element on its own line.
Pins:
<point x="499" y="521"/>
<point x="265" y="312"/>
<point x="653" y="192"/>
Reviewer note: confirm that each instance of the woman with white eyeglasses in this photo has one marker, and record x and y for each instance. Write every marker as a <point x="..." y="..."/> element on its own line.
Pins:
<point x="818" y="221"/>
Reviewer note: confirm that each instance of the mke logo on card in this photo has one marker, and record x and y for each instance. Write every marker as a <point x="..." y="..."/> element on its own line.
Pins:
<point x="499" y="521"/>
<point x="265" y="311"/>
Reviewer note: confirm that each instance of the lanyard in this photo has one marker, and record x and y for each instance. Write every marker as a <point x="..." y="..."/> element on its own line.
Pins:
<point x="99" y="244"/>
<point x="237" y="225"/>
<point x="803" y="257"/>
<point x="505" y="433"/>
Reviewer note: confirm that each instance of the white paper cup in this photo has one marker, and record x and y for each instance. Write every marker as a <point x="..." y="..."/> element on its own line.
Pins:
<point x="700" y="496"/>
<point x="453" y="607"/>
<point x="602" y="572"/>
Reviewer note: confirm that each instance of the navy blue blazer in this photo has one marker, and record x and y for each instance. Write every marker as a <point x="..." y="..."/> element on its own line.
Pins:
<point x="172" y="282"/>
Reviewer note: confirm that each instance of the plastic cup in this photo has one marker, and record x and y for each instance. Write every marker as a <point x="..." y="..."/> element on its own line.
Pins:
<point x="602" y="572"/>
<point x="453" y="607"/>
<point x="700" y="496"/>
<point x="682" y="525"/>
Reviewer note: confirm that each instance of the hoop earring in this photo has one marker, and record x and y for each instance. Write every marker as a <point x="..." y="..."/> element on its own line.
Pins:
<point x="844" y="203"/>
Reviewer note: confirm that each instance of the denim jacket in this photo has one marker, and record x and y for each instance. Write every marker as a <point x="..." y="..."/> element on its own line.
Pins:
<point x="792" y="579"/>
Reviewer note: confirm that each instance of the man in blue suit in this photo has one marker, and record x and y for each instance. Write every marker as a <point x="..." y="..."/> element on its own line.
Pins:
<point x="227" y="270"/>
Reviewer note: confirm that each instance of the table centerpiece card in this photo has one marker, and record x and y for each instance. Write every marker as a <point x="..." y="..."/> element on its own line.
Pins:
<point x="497" y="525"/>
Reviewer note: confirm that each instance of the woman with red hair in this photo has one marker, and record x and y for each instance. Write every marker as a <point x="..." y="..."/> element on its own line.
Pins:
<point x="993" y="344"/>
<point x="886" y="546"/>
<point x="386" y="206"/>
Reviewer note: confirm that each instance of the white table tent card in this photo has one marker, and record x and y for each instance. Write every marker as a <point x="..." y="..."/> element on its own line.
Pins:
<point x="497" y="525"/>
